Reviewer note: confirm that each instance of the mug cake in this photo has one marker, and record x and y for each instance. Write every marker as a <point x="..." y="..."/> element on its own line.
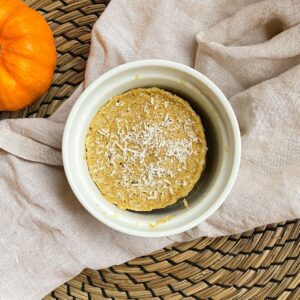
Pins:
<point x="145" y="149"/>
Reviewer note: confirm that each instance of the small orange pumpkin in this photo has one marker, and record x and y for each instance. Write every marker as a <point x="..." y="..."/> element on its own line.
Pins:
<point x="27" y="55"/>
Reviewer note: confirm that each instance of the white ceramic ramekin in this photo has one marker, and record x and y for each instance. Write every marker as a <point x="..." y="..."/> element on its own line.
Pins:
<point x="222" y="132"/>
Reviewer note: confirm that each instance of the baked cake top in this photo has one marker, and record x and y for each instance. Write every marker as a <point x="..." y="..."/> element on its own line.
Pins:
<point x="145" y="149"/>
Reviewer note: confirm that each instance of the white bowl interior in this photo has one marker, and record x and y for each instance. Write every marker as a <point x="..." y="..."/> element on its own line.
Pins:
<point x="220" y="127"/>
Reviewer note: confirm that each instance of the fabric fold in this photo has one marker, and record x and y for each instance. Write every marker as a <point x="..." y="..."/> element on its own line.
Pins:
<point x="257" y="44"/>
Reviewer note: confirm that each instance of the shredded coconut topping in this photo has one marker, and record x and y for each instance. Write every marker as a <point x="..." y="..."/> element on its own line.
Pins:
<point x="146" y="152"/>
<point x="144" y="139"/>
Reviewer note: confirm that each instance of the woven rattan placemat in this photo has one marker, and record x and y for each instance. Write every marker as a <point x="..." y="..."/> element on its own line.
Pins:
<point x="260" y="264"/>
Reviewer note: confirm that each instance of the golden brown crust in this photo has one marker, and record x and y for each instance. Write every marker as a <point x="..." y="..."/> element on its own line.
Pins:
<point x="145" y="149"/>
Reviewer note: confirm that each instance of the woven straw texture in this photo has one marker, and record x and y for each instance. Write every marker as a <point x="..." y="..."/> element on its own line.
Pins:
<point x="260" y="264"/>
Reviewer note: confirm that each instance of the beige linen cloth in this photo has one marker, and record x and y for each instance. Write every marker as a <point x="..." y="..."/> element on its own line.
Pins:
<point x="250" y="49"/>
